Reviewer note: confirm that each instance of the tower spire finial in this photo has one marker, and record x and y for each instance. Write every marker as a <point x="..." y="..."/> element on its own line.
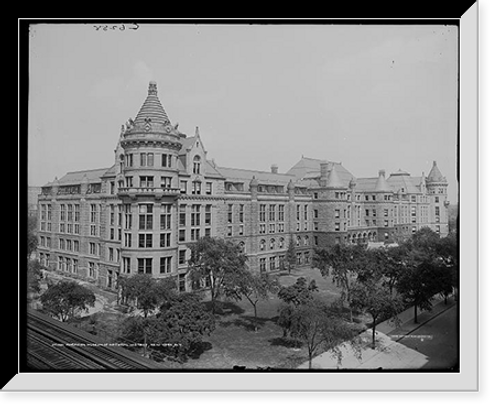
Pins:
<point x="152" y="89"/>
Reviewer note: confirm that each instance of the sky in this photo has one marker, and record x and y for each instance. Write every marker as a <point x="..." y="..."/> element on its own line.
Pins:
<point x="370" y="96"/>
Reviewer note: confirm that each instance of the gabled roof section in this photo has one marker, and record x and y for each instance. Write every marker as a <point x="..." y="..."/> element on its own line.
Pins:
<point x="77" y="177"/>
<point x="401" y="181"/>
<point x="263" y="177"/>
<point x="309" y="168"/>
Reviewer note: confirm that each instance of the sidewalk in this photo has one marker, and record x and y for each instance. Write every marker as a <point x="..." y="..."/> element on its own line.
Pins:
<point x="389" y="354"/>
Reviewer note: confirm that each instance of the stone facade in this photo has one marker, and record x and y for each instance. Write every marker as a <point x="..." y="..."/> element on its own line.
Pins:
<point x="161" y="193"/>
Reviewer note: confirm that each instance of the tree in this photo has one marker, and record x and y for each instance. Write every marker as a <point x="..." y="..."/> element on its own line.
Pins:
<point x="186" y="323"/>
<point x="291" y="255"/>
<point x="32" y="242"/>
<point x="216" y="262"/>
<point x="66" y="298"/>
<point x="375" y="299"/>
<point x="293" y="296"/>
<point x="343" y="262"/>
<point x="179" y="326"/>
<point x="252" y="287"/>
<point x="34" y="272"/>
<point x="320" y="328"/>
<point x="417" y="285"/>
<point x="148" y="293"/>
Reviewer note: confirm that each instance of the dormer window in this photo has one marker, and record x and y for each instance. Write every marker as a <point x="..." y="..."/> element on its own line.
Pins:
<point x="196" y="165"/>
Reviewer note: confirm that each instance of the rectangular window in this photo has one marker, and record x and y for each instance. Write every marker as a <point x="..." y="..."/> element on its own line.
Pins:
<point x="182" y="235"/>
<point x="196" y="188"/>
<point x="182" y="215"/>
<point x="165" y="182"/>
<point x="195" y="234"/>
<point x="144" y="265"/>
<point x="208" y="214"/>
<point x="164" y="160"/>
<point x="240" y="230"/>
<point x="272" y="263"/>
<point x="281" y="213"/>
<point x="272" y="212"/>
<point x="262" y="213"/>
<point x="126" y="265"/>
<point x="262" y="228"/>
<point x="305" y="212"/>
<point x="208" y="188"/>
<point x="165" y="240"/>
<point x="298" y="212"/>
<point x="165" y="216"/>
<point x="195" y="215"/>
<point x="146" y="181"/>
<point x="145" y="216"/>
<point x="183" y="185"/>
<point x="262" y="265"/>
<point x="229" y="213"/>
<point x="128" y="240"/>
<point x="165" y="265"/>
<point x="337" y="213"/>
<point x="145" y="240"/>
<point x="242" y="213"/>
<point x="182" y="257"/>
<point x="229" y="231"/>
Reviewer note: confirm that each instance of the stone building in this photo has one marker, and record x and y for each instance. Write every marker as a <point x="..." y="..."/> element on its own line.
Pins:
<point x="161" y="193"/>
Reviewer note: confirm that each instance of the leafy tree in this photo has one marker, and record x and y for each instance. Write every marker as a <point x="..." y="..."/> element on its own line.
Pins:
<point x="375" y="299"/>
<point x="186" y="323"/>
<point x="217" y="263"/>
<point x="32" y="242"/>
<point x="253" y="288"/>
<point x="344" y="262"/>
<point x="291" y="255"/>
<point x="298" y="293"/>
<point x="34" y="272"/>
<point x="180" y="325"/>
<point x="66" y="298"/>
<point x="320" y="328"/>
<point x="418" y="285"/>
<point x="147" y="292"/>
<point x="293" y="296"/>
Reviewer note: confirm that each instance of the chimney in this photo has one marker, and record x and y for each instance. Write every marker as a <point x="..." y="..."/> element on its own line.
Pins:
<point x="323" y="168"/>
<point x="381" y="172"/>
<point x="274" y="168"/>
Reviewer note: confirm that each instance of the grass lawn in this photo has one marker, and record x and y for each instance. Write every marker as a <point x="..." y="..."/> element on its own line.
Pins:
<point x="236" y="342"/>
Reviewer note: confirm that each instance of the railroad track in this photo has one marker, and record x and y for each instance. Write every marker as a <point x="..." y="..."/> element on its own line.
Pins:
<point x="52" y="345"/>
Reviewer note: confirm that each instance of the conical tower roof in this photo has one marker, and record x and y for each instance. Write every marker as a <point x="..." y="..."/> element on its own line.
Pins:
<point x="152" y="110"/>
<point x="334" y="180"/>
<point x="435" y="174"/>
<point x="152" y="118"/>
<point x="382" y="184"/>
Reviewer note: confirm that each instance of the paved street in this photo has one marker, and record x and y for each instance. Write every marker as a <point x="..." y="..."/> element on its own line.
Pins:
<point x="436" y="339"/>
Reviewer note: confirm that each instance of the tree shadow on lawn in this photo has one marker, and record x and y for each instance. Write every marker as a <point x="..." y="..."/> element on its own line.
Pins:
<point x="248" y="322"/>
<point x="223" y="308"/>
<point x="285" y="342"/>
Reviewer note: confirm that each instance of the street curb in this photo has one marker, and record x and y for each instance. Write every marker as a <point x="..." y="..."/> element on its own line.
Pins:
<point x="423" y="323"/>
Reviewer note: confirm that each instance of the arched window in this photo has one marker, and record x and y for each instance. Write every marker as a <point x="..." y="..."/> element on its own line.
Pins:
<point x="196" y="164"/>
<point x="281" y="243"/>
<point x="298" y="241"/>
<point x="262" y="244"/>
<point x="242" y="246"/>
<point x="272" y="243"/>
<point x="306" y="240"/>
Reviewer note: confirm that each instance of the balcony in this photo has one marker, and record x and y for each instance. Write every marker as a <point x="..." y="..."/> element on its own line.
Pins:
<point x="157" y="192"/>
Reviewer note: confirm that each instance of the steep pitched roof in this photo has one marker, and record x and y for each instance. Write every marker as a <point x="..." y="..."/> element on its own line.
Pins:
<point x="152" y="108"/>
<point x="246" y="175"/>
<point x="435" y="174"/>
<point x="309" y="168"/>
<point x="77" y="177"/>
<point x="402" y="181"/>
